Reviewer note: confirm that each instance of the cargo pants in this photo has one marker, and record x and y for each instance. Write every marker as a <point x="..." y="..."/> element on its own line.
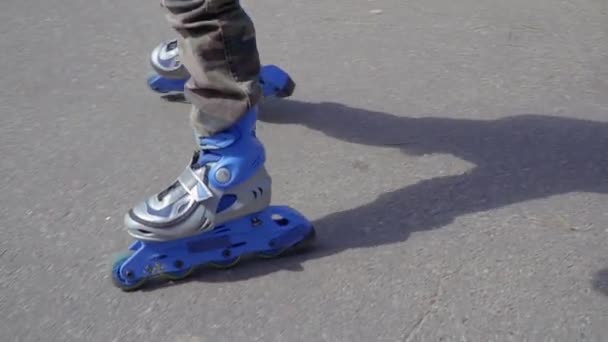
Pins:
<point x="217" y="45"/>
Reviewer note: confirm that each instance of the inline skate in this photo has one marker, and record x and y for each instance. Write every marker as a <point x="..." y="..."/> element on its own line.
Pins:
<point x="217" y="211"/>
<point x="169" y="75"/>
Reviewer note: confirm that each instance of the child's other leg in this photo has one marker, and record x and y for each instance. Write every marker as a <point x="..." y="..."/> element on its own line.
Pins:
<point x="218" y="47"/>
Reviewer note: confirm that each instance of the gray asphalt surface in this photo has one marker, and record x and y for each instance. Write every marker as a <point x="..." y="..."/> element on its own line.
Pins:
<point x="453" y="155"/>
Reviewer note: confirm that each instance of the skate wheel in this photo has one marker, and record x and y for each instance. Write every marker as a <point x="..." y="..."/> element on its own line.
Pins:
<point x="119" y="281"/>
<point x="225" y="264"/>
<point x="270" y="254"/>
<point x="306" y="242"/>
<point x="287" y="90"/>
<point x="179" y="275"/>
<point x="177" y="97"/>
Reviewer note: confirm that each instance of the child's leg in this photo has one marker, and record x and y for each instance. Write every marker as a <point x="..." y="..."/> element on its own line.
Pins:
<point x="218" y="48"/>
<point x="226" y="178"/>
<point x="218" y="208"/>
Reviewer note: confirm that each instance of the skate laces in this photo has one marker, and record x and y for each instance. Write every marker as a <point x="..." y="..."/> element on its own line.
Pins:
<point x="172" y="45"/>
<point x="161" y="195"/>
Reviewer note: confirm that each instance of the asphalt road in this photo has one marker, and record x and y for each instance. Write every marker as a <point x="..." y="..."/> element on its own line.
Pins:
<point x="452" y="154"/>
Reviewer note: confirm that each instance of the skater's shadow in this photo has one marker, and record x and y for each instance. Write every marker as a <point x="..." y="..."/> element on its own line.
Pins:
<point x="515" y="159"/>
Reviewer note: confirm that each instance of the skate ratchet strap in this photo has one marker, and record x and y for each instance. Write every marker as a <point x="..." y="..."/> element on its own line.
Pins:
<point x="191" y="182"/>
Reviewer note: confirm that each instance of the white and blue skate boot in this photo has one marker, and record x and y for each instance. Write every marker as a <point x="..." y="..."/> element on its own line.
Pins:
<point x="215" y="212"/>
<point x="169" y="75"/>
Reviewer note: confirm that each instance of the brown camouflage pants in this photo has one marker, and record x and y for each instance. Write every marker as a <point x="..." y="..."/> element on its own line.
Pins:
<point x="218" y="47"/>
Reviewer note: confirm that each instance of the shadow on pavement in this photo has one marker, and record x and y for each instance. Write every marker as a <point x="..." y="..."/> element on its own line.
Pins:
<point x="600" y="281"/>
<point x="518" y="158"/>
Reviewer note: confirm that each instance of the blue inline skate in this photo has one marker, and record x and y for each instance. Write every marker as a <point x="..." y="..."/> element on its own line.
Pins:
<point x="170" y="76"/>
<point x="214" y="213"/>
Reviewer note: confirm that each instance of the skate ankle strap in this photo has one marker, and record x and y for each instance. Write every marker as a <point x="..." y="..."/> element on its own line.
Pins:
<point x="218" y="141"/>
